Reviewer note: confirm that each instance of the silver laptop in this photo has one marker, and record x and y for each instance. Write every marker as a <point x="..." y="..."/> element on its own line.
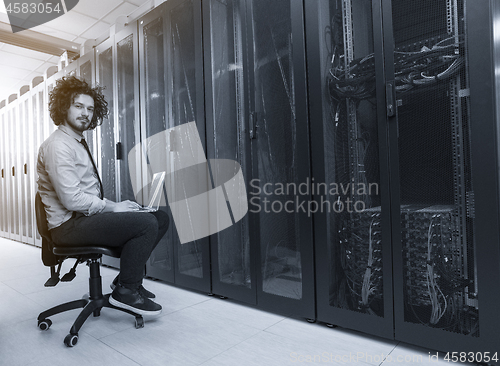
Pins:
<point x="154" y="193"/>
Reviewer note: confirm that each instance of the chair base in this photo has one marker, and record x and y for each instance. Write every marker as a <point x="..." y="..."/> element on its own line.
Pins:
<point x="91" y="305"/>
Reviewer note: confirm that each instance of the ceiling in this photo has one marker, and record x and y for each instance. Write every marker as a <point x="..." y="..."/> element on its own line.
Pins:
<point x="88" y="20"/>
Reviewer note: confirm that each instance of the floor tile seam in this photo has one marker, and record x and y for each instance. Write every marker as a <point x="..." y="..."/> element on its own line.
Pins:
<point x="312" y="343"/>
<point x="36" y="290"/>
<point x="392" y="350"/>
<point x="234" y="321"/>
<point x="117" y="351"/>
<point x="234" y="345"/>
<point x="20" y="293"/>
<point x="203" y="310"/>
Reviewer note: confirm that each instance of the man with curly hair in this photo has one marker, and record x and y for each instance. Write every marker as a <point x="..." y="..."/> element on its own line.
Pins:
<point x="72" y="194"/>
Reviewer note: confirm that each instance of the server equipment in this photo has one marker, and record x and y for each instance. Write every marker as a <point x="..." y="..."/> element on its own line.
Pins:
<point x="400" y="104"/>
<point x="389" y="106"/>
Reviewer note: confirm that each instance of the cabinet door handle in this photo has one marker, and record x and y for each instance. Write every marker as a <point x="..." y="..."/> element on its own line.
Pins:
<point x="391" y="100"/>
<point x="2" y="172"/>
<point x="25" y="168"/>
<point x="119" y="151"/>
<point x="252" y="125"/>
<point x="13" y="171"/>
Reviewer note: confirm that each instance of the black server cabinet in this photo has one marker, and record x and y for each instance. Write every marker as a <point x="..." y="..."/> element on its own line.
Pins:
<point x="106" y="162"/>
<point x="413" y="110"/>
<point x="257" y="115"/>
<point x="352" y="226"/>
<point x="104" y="135"/>
<point x="256" y="105"/>
<point x="444" y="176"/>
<point x="171" y="59"/>
<point x="278" y="127"/>
<point x="232" y="258"/>
<point x="118" y="72"/>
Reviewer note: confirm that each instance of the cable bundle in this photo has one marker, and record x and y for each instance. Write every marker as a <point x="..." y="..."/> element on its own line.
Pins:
<point x="412" y="69"/>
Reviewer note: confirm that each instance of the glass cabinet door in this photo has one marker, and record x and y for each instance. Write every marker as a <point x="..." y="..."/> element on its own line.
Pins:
<point x="353" y="243"/>
<point x="436" y="284"/>
<point x="227" y="138"/>
<point x="127" y="108"/>
<point x="86" y="71"/>
<point x="4" y="224"/>
<point x="185" y="91"/>
<point x="15" y="183"/>
<point x="280" y="153"/>
<point x="25" y="167"/>
<point x="154" y="120"/>
<point x="37" y="126"/>
<point x="20" y="172"/>
<point x="172" y="96"/>
<point x="106" y="132"/>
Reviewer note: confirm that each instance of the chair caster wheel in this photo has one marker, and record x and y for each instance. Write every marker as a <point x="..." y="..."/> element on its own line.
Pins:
<point x="331" y="325"/>
<point x="71" y="340"/>
<point x="223" y="297"/>
<point x="44" y="324"/>
<point x="309" y="320"/>
<point x="139" y="322"/>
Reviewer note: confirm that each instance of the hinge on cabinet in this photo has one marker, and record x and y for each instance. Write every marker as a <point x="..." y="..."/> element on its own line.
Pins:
<point x="470" y="205"/>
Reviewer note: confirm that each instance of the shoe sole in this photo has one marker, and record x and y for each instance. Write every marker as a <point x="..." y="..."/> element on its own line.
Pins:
<point x="122" y="305"/>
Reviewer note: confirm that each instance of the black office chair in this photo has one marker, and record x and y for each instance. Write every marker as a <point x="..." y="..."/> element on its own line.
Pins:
<point x="53" y="256"/>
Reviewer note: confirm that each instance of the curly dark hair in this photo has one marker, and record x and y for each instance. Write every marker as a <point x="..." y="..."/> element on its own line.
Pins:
<point x="64" y="93"/>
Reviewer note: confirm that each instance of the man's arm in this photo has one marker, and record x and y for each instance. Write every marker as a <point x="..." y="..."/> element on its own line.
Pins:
<point x="63" y="173"/>
<point x="59" y="161"/>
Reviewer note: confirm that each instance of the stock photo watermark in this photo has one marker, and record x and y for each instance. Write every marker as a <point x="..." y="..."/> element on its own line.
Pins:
<point x="31" y="13"/>
<point x="364" y="357"/>
<point x="330" y="197"/>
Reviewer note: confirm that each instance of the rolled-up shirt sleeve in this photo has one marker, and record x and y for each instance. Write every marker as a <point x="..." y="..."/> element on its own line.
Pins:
<point x="66" y="178"/>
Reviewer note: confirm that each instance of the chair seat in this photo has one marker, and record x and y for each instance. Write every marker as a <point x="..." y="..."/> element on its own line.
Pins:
<point x="87" y="250"/>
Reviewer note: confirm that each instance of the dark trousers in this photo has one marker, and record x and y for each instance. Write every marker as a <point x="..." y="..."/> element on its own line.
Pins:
<point x="137" y="233"/>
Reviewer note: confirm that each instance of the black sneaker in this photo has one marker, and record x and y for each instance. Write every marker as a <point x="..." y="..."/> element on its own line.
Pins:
<point x="132" y="300"/>
<point x="142" y="290"/>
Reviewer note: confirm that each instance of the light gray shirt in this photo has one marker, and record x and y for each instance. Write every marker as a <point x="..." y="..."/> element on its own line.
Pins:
<point x="67" y="181"/>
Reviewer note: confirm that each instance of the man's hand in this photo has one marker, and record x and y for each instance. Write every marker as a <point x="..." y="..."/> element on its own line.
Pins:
<point x="124" y="206"/>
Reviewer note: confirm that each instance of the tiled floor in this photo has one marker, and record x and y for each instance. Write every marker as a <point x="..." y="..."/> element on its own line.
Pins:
<point x="193" y="329"/>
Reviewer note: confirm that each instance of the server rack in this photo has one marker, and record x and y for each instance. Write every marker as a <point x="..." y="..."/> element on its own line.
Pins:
<point x="257" y="116"/>
<point x="123" y="123"/>
<point x="127" y="111"/>
<point x="105" y="133"/>
<point x="170" y="46"/>
<point x="226" y="79"/>
<point x="4" y="222"/>
<point x="36" y="126"/>
<point x="12" y="159"/>
<point x="280" y="156"/>
<point x="104" y="153"/>
<point x="25" y="166"/>
<point x="353" y="238"/>
<point x="86" y="70"/>
<point x="395" y="88"/>
<point x="426" y="68"/>
<point x="458" y="226"/>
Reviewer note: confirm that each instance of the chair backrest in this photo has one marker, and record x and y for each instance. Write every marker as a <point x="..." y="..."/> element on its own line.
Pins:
<point x="48" y="257"/>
